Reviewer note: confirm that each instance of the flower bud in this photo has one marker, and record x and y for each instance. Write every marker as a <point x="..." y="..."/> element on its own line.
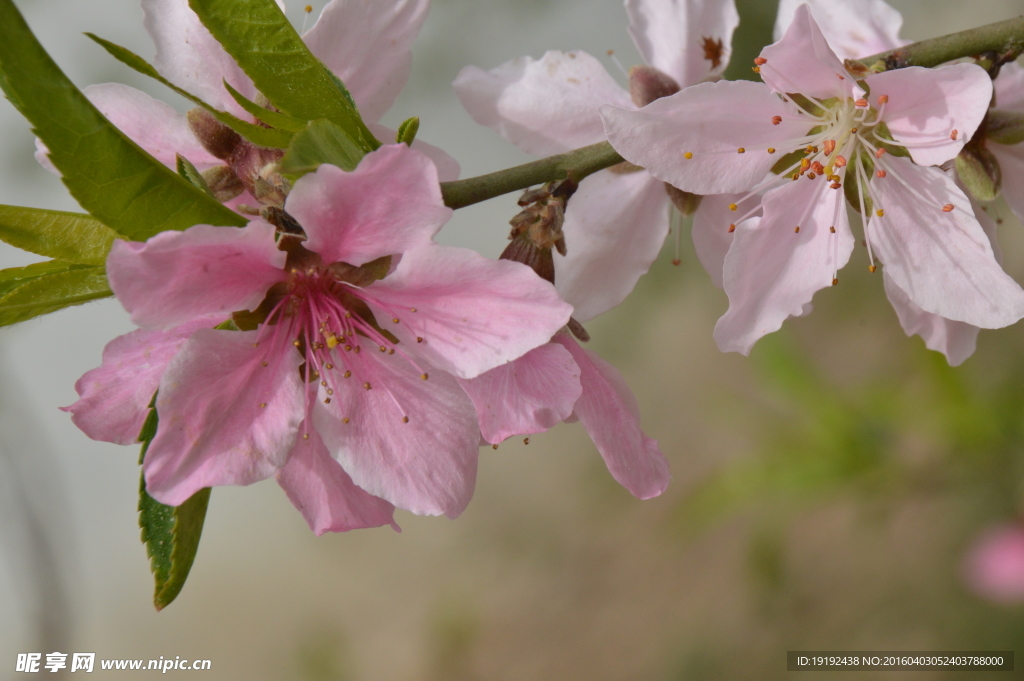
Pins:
<point x="223" y="182"/>
<point x="1004" y="127"/>
<point x="980" y="172"/>
<point x="216" y="138"/>
<point x="647" y="84"/>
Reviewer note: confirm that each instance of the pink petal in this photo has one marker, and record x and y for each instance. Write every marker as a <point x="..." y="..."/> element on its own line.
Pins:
<point x="114" y="397"/>
<point x="176" y="276"/>
<point x="994" y="567"/>
<point x="670" y="35"/>
<point x="390" y="203"/>
<point x="1011" y="163"/>
<point x="150" y="123"/>
<point x="473" y="313"/>
<point x="711" y="122"/>
<point x="366" y="44"/>
<point x="42" y="156"/>
<point x="803" y="62"/>
<point x="614" y="227"/>
<point x="530" y="395"/>
<point x="543" y="107"/>
<point x="426" y="465"/>
<point x="853" y="28"/>
<point x="926" y="105"/>
<point x="942" y="260"/>
<point x="1009" y="88"/>
<point x="955" y="340"/>
<point x="447" y="167"/>
<point x="324" y="493"/>
<point x="189" y="56"/>
<point x="712" y="236"/>
<point x="608" y="410"/>
<point x="230" y="408"/>
<point x="772" y="271"/>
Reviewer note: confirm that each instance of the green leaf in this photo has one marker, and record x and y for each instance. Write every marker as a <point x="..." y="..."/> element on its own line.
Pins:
<point x="71" y="237"/>
<point x="272" y="118"/>
<point x="321" y="142"/>
<point x="171" y="533"/>
<point x="74" y="285"/>
<point x="191" y="173"/>
<point x="407" y="130"/>
<point x="257" y="134"/>
<point x="111" y="177"/>
<point x="14" y="277"/>
<point x="267" y="47"/>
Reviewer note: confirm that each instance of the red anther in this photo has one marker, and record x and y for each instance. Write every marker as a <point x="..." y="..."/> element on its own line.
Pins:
<point x="840" y="161"/>
<point x="830" y="146"/>
<point x="953" y="134"/>
<point x="835" y="185"/>
<point x="776" y="120"/>
<point x="732" y="228"/>
<point x="861" y="102"/>
<point x="882" y="99"/>
<point x="760" y="61"/>
<point x="880" y="173"/>
<point x="947" y="208"/>
<point x="878" y="154"/>
<point x="818" y="168"/>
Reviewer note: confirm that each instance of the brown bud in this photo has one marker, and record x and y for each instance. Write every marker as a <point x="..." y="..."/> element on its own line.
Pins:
<point x="223" y="182"/>
<point x="577" y="330"/>
<point x="647" y="84"/>
<point x="216" y="138"/>
<point x="686" y="202"/>
<point x="522" y="249"/>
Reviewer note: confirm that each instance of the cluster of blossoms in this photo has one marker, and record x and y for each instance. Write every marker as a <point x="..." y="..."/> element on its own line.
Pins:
<point x="333" y="344"/>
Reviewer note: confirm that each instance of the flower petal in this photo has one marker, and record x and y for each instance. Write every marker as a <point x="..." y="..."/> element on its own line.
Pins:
<point x="176" y="276"/>
<point x="994" y="566"/>
<point x="390" y="203"/>
<point x="713" y="229"/>
<point x="955" y="340"/>
<point x="803" y="62"/>
<point x="711" y="122"/>
<point x="1009" y="87"/>
<point x="366" y="44"/>
<point x="543" y="107"/>
<point x="777" y="263"/>
<point x="114" y="397"/>
<point x="150" y="123"/>
<point x="614" y="227"/>
<point x="447" y="167"/>
<point x="854" y="29"/>
<point x="189" y="56"/>
<point x="323" y="492"/>
<point x="1011" y="163"/>
<point x="608" y="410"/>
<point x="689" y="40"/>
<point x="427" y="464"/>
<point x="942" y="260"/>
<point x="530" y="395"/>
<point x="926" y="105"/>
<point x="229" y="409"/>
<point x="463" y="312"/>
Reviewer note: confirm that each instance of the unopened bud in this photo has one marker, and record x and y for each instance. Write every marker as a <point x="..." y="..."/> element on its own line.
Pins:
<point x="216" y="138"/>
<point x="647" y="84"/>
<point x="979" y="171"/>
<point x="223" y="182"/>
<point x="685" y="202"/>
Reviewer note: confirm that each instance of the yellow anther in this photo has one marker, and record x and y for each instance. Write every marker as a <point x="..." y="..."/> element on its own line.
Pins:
<point x="688" y="155"/>
<point x="733" y="206"/>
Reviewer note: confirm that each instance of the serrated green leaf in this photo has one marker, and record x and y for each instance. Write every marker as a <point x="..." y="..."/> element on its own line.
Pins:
<point x="111" y="177"/>
<point x="275" y="119"/>
<point x="14" y="277"/>
<point x="74" y="285"/>
<point x="257" y="134"/>
<point x="191" y="173"/>
<point x="267" y="47"/>
<point x="321" y="142"/>
<point x="71" y="237"/>
<point x="407" y="131"/>
<point x="171" y="533"/>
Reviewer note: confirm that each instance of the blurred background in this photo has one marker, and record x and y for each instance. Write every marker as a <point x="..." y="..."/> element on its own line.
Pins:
<point x="826" y="489"/>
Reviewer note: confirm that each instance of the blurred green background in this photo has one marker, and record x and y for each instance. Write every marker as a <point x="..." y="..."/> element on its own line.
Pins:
<point x="825" y="489"/>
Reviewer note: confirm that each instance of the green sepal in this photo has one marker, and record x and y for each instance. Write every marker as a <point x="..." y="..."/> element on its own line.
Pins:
<point x="407" y="131"/>
<point x="257" y="134"/>
<point x="851" y="184"/>
<point x="788" y="160"/>
<point x="979" y="170"/>
<point x="111" y="177"/>
<point x="171" y="533"/>
<point x="70" y="237"/>
<point x="274" y="119"/>
<point x="65" y="287"/>
<point x="269" y="50"/>
<point x="321" y="142"/>
<point x="883" y="138"/>
<point x="191" y="173"/>
<point x="1004" y="127"/>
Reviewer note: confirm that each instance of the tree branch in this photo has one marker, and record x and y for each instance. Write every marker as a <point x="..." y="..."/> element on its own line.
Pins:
<point x="1000" y="38"/>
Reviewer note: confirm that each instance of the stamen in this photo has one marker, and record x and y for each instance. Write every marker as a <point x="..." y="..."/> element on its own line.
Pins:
<point x="861" y="102"/>
<point x="880" y="173"/>
<point x="741" y="150"/>
<point x="882" y="99"/>
<point x="733" y="206"/>
<point x="872" y="268"/>
<point x="688" y="155"/>
<point x="796" y="230"/>
<point x="840" y="162"/>
<point x="771" y="150"/>
<point x="953" y="135"/>
<point x="732" y="228"/>
<point x="879" y="152"/>
<point x="947" y="208"/>
<point x="776" y="120"/>
<point x="760" y="61"/>
<point x="830" y="146"/>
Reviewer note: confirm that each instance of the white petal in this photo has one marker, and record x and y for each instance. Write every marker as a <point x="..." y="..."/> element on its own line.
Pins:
<point x="853" y="28"/>
<point x="956" y="340"/>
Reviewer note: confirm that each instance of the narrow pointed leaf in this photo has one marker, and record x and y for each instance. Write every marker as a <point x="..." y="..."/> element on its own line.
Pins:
<point x="321" y="142"/>
<point x="274" y="119"/>
<point x="257" y="134"/>
<point x="71" y="237"/>
<point x="187" y="170"/>
<point x="407" y="131"/>
<point x="74" y="285"/>
<point x="14" y="277"/>
<point x="171" y="533"/>
<point x="268" y="48"/>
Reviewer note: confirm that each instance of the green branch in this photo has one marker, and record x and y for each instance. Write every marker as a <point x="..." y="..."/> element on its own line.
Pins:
<point x="1000" y="38"/>
<point x="576" y="164"/>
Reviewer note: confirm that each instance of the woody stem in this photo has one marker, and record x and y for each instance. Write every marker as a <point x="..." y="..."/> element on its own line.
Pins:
<point x="1000" y="38"/>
